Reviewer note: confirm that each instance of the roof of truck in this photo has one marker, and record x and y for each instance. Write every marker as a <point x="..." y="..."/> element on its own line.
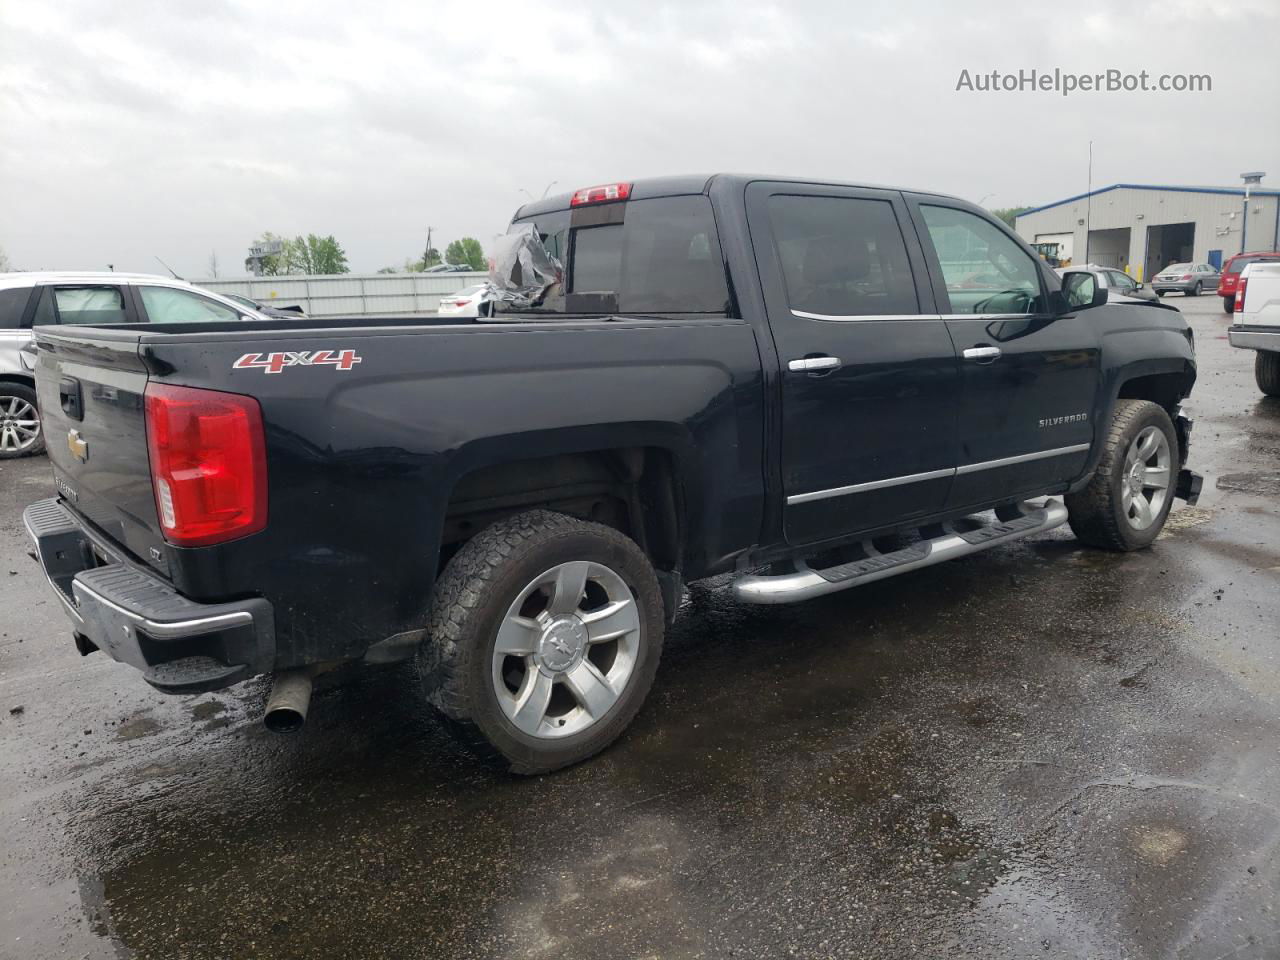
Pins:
<point x="648" y="187"/>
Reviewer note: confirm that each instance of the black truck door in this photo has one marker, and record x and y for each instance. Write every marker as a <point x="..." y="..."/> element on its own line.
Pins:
<point x="869" y="379"/>
<point x="1029" y="377"/>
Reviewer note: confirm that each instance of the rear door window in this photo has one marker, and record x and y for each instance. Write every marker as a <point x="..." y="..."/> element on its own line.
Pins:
<point x="86" y="305"/>
<point x="842" y="257"/>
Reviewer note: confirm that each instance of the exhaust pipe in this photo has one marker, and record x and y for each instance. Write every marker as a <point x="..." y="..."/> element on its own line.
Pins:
<point x="287" y="705"/>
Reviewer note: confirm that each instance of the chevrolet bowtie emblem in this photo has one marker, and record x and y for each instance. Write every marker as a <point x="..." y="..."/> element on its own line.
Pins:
<point x="78" y="446"/>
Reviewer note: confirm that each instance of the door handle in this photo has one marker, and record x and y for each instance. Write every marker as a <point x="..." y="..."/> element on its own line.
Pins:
<point x="982" y="354"/>
<point x="814" y="366"/>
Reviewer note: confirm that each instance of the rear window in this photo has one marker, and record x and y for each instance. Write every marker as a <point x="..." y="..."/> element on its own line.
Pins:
<point x="12" y="303"/>
<point x="90" y="305"/>
<point x="663" y="257"/>
<point x="1236" y="265"/>
<point x="1177" y="268"/>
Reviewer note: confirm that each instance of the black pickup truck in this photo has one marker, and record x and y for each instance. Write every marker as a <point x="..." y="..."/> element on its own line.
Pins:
<point x="809" y="385"/>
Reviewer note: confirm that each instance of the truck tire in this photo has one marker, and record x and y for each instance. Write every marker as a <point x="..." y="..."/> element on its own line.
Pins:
<point x="543" y="640"/>
<point x="20" y="431"/>
<point x="1228" y="304"/>
<point x="1266" y="370"/>
<point x="1128" y="498"/>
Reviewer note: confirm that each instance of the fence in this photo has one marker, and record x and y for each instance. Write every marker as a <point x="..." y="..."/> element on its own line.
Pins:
<point x="347" y="295"/>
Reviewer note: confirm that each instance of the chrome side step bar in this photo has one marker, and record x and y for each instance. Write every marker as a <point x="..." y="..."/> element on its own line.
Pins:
<point x="805" y="582"/>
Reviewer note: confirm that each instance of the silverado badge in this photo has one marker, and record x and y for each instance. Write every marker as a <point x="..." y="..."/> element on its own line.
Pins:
<point x="78" y="446"/>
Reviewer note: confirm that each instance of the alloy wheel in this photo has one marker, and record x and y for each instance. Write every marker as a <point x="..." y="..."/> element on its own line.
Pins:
<point x="19" y="424"/>
<point x="566" y="649"/>
<point x="1148" y="476"/>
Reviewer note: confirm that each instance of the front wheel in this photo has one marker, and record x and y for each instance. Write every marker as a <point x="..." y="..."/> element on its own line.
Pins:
<point x="20" y="431"/>
<point x="1125" y="505"/>
<point x="1266" y="370"/>
<point x="544" y="638"/>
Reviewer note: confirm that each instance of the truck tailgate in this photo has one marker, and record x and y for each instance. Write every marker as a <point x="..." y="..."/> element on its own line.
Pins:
<point x="90" y="387"/>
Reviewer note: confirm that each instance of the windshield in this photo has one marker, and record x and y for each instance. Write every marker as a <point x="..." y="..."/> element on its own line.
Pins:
<point x="661" y="256"/>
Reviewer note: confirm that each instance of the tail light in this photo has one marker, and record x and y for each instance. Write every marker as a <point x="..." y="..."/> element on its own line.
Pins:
<point x="461" y="303"/>
<point x="1241" y="284"/>
<point x="1186" y="276"/>
<point x="208" y="464"/>
<point x="605" y="193"/>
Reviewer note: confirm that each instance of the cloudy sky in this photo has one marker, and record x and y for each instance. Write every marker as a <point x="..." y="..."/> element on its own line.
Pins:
<point x="172" y="128"/>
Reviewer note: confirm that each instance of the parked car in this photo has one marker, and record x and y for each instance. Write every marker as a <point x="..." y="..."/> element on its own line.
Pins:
<point x="1255" y="325"/>
<point x="31" y="299"/>
<point x="1189" y="279"/>
<point x="1118" y="284"/>
<point x="1231" y="274"/>
<point x="285" y="312"/>
<point x="465" y="303"/>
<point x="449" y="268"/>
<point x="784" y="390"/>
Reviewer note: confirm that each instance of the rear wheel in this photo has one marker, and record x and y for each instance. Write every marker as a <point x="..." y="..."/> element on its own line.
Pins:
<point x="1126" y="502"/>
<point x="1266" y="370"/>
<point x="1228" y="304"/>
<point x="20" y="431"/>
<point x="544" y="638"/>
<point x="1195" y="291"/>
<point x="1161" y="293"/>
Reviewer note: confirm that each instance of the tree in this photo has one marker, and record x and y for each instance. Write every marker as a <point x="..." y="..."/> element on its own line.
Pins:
<point x="429" y="259"/>
<point x="315" y="255"/>
<point x="468" y="251"/>
<point x="5" y="265"/>
<point x="1010" y="214"/>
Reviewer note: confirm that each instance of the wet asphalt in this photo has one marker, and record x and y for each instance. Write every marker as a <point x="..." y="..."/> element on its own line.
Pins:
<point x="1040" y="751"/>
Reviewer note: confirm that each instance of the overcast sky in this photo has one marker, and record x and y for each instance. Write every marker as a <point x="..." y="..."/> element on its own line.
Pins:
<point x="131" y="129"/>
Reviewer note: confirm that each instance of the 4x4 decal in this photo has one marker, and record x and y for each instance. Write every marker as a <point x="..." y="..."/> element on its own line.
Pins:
<point x="276" y="362"/>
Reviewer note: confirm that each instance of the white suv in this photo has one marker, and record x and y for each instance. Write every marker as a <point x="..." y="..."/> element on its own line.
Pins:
<point x="33" y="299"/>
<point x="1255" y="324"/>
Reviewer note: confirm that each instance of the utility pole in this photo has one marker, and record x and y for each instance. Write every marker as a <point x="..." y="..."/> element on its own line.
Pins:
<point x="426" y="254"/>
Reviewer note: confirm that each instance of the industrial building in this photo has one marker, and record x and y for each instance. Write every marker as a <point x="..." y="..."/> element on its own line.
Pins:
<point x="1144" y="228"/>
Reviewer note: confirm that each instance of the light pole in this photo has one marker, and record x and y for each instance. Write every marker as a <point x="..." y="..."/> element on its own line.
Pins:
<point x="1251" y="178"/>
<point x="544" y="191"/>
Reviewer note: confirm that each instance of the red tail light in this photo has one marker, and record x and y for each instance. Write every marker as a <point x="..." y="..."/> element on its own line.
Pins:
<point x="605" y="193"/>
<point x="208" y="464"/>
<point x="1186" y="276"/>
<point x="461" y="303"/>
<point x="1241" y="284"/>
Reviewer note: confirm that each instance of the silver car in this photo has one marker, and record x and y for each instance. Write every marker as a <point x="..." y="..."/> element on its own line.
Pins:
<point x="1191" y="279"/>
<point x="33" y="299"/>
<point x="1118" y="284"/>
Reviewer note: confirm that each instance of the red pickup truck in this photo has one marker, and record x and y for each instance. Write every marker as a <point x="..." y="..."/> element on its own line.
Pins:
<point x="1230" y="278"/>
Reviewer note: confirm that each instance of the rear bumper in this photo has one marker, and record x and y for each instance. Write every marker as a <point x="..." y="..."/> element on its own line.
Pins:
<point x="1174" y="286"/>
<point x="1254" y="338"/>
<point x="132" y="616"/>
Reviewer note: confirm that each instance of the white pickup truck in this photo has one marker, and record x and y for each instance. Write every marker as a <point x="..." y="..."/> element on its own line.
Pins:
<point x="1255" y="324"/>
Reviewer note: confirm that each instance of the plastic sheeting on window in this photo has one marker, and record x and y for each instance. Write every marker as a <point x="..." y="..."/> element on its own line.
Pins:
<point x="521" y="269"/>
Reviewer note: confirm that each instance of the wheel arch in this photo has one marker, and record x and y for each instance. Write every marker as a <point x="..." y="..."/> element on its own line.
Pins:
<point x="641" y="488"/>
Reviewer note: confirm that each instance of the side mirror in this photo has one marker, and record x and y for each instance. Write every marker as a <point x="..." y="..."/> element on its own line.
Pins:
<point x="1080" y="290"/>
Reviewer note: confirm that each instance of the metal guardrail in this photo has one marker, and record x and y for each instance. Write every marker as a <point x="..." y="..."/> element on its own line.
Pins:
<point x="349" y="295"/>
